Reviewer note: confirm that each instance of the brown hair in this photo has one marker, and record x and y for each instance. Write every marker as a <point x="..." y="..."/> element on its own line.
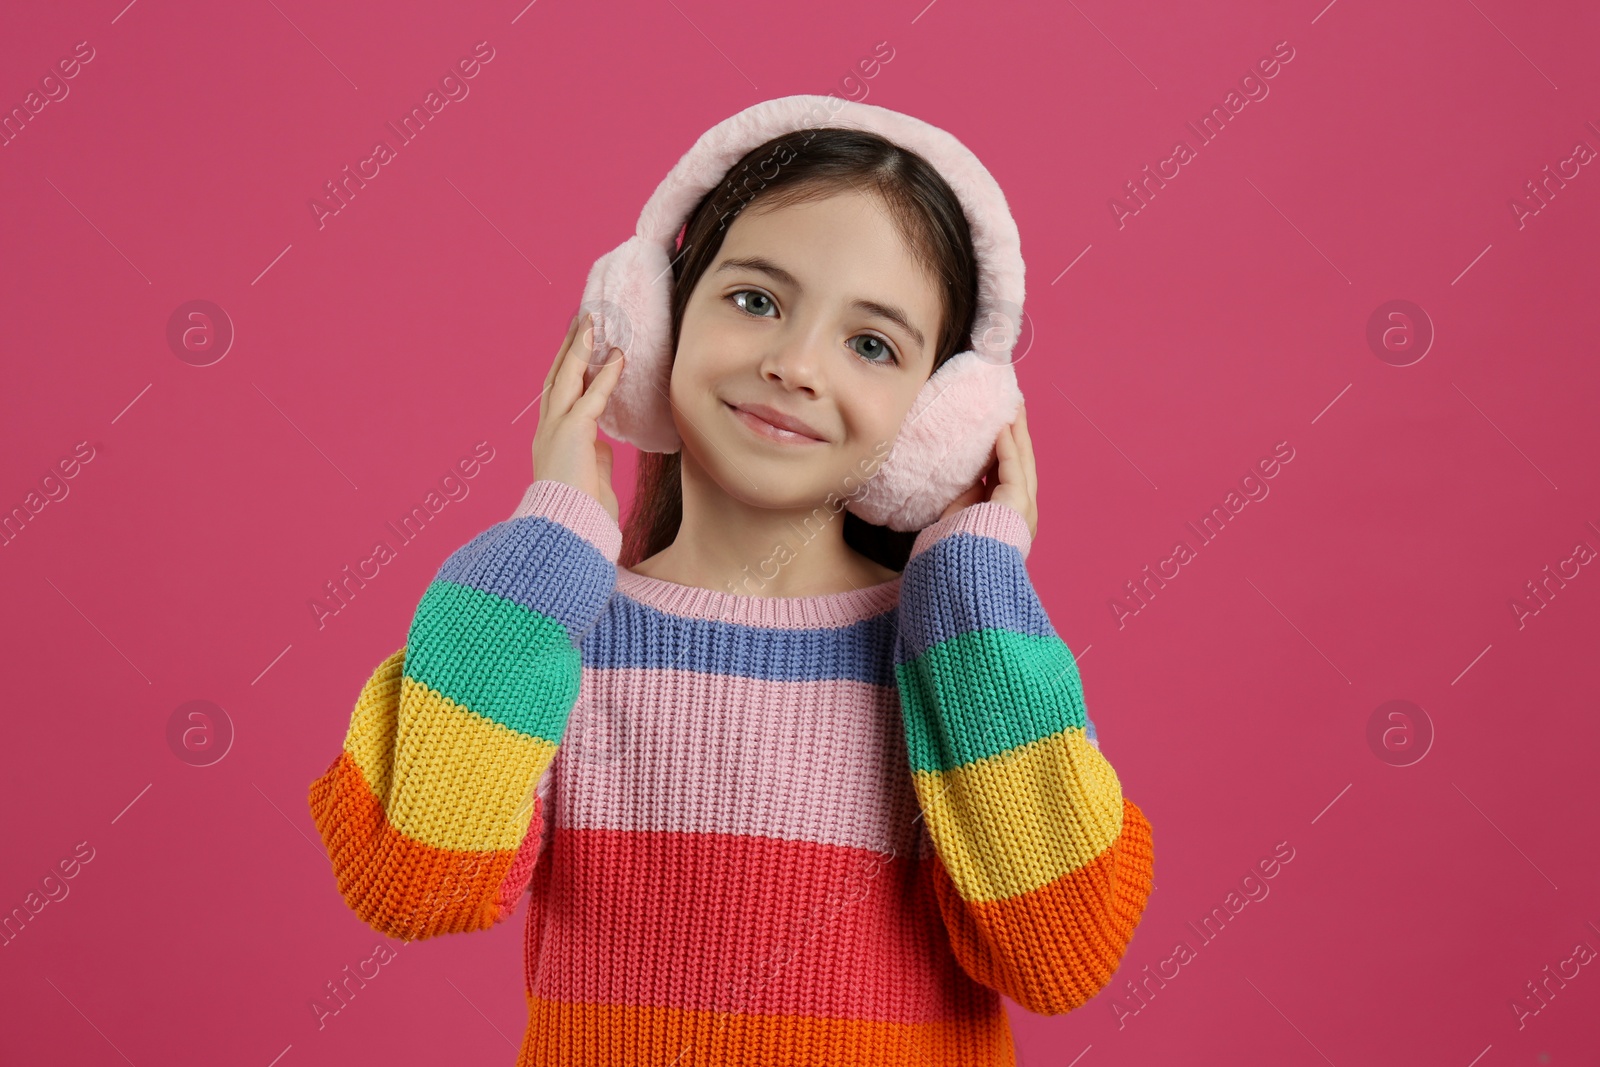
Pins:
<point x="812" y="164"/>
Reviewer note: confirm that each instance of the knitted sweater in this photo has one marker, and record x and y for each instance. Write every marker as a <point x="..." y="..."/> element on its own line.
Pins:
<point x="753" y="830"/>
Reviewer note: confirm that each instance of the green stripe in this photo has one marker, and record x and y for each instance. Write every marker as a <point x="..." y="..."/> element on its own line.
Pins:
<point x="986" y="692"/>
<point x="499" y="659"/>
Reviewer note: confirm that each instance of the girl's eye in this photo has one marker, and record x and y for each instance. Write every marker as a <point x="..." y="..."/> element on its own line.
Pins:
<point x="762" y="300"/>
<point x="881" y="348"/>
<point x="754" y="294"/>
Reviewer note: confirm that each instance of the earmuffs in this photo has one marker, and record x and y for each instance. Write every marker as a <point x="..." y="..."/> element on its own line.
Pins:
<point x="948" y="437"/>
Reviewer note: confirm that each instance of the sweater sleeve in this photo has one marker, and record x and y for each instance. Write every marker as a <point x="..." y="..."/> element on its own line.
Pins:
<point x="1040" y="866"/>
<point x="431" y="813"/>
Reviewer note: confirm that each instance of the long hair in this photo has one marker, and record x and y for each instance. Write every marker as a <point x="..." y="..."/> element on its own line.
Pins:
<point x="813" y="164"/>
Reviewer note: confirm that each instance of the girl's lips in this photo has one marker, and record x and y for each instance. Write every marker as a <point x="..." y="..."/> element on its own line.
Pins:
<point x="770" y="432"/>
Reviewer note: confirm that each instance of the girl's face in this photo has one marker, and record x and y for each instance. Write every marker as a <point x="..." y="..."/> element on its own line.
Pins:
<point x="817" y="312"/>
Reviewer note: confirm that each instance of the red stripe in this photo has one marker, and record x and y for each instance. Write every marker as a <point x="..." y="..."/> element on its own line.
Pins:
<point x="755" y="925"/>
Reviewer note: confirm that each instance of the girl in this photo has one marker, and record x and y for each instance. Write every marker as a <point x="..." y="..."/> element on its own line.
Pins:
<point x="784" y="785"/>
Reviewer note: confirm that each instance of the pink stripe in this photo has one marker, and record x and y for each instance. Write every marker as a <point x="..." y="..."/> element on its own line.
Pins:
<point x="784" y="613"/>
<point x="1000" y="521"/>
<point x="689" y="752"/>
<point x="751" y="925"/>
<point x="574" y="509"/>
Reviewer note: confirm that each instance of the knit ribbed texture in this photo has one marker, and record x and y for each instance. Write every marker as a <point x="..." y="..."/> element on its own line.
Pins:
<point x="754" y="830"/>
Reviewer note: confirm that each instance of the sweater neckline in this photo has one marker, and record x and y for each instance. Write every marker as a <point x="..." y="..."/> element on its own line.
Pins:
<point x="780" y="612"/>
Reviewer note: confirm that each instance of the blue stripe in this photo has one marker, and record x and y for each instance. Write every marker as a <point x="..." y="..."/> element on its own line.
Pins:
<point x="539" y="564"/>
<point x="964" y="583"/>
<point x="633" y="634"/>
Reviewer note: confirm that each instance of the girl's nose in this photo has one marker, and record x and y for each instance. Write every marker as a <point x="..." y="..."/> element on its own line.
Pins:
<point x="799" y="359"/>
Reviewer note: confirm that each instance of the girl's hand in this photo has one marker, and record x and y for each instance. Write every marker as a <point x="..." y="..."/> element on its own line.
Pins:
<point x="1010" y="478"/>
<point x="566" y="447"/>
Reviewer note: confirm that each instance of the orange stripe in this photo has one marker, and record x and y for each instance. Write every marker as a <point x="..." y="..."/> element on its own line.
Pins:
<point x="599" y="1035"/>
<point x="1053" y="948"/>
<point x="401" y="887"/>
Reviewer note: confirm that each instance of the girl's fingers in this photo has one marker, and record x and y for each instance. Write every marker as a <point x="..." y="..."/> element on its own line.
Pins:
<point x="1005" y="451"/>
<point x="568" y="384"/>
<point x="566" y="345"/>
<point x="555" y="364"/>
<point x="600" y="339"/>
<point x="1025" y="446"/>
<point x="593" y="401"/>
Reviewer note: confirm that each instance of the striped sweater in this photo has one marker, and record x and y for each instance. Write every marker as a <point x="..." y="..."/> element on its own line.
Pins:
<point x="753" y="830"/>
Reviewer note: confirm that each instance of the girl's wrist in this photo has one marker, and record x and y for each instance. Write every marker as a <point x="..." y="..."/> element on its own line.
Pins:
<point x="987" y="518"/>
<point x="575" y="509"/>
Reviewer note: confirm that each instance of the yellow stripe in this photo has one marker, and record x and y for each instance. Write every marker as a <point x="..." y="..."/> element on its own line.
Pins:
<point x="370" y="739"/>
<point x="1011" y="823"/>
<point x="466" y="781"/>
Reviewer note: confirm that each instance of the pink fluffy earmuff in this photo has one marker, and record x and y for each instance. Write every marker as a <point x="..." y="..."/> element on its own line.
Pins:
<point x="948" y="435"/>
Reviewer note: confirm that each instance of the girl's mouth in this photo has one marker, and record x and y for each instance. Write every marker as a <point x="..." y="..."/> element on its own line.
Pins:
<point x="766" y="430"/>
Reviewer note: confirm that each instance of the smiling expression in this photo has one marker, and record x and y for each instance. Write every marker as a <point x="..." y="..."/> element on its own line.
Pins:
<point x="802" y="348"/>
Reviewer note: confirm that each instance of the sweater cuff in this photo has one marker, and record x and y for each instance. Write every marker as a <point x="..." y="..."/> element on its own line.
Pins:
<point x="574" y="509"/>
<point x="987" y="519"/>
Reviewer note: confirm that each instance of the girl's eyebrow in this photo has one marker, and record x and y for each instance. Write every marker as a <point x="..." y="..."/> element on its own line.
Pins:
<point x="872" y="307"/>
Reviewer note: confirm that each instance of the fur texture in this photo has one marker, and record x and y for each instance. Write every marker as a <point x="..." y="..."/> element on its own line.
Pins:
<point x="933" y="460"/>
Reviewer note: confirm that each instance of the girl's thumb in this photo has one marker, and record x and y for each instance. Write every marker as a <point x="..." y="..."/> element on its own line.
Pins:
<point x="602" y="451"/>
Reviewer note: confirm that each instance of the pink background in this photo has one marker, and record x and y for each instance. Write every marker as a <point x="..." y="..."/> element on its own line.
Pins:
<point x="1228" y="315"/>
